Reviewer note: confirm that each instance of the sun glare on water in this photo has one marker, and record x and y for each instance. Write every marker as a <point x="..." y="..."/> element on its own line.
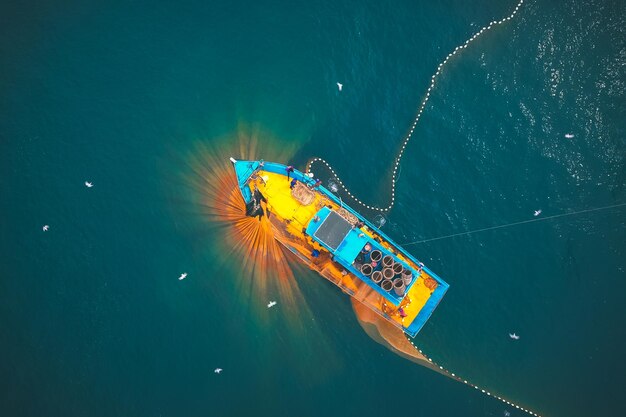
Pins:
<point x="265" y="268"/>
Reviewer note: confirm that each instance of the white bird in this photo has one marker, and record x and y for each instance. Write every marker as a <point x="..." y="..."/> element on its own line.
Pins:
<point x="513" y="336"/>
<point x="537" y="213"/>
<point x="45" y="228"/>
<point x="271" y="304"/>
<point x="569" y="135"/>
<point x="218" y="370"/>
<point x="182" y="276"/>
<point x="339" y="86"/>
<point x="88" y="184"/>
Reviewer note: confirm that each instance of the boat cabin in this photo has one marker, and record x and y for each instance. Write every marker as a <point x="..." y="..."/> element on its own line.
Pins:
<point x="361" y="255"/>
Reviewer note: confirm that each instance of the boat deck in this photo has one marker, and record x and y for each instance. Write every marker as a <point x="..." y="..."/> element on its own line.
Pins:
<point x="291" y="211"/>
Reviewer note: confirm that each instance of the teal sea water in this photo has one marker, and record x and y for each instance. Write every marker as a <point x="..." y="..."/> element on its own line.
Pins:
<point x="93" y="320"/>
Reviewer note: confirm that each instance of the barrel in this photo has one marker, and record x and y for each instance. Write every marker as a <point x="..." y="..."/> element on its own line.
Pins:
<point x="398" y="286"/>
<point x="366" y="269"/>
<point x="388" y="260"/>
<point x="407" y="276"/>
<point x="377" y="276"/>
<point x="398" y="268"/>
<point x="376" y="255"/>
<point x="386" y="285"/>
<point x="388" y="273"/>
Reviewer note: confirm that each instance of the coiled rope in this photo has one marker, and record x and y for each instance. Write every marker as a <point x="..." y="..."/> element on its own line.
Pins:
<point x="417" y="118"/>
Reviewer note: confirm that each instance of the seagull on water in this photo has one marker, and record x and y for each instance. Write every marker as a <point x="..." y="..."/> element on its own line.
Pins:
<point x="88" y="184"/>
<point x="45" y="228"/>
<point x="569" y="135"/>
<point x="218" y="370"/>
<point x="339" y="86"/>
<point x="271" y="304"/>
<point x="182" y="276"/>
<point x="537" y="213"/>
<point x="513" y="336"/>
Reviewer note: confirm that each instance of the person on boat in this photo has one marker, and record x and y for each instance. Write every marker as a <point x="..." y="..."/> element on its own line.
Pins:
<point x="293" y="183"/>
<point x="258" y="196"/>
<point x="289" y="169"/>
<point x="253" y="208"/>
<point x="318" y="182"/>
<point x="258" y="212"/>
<point x="358" y="224"/>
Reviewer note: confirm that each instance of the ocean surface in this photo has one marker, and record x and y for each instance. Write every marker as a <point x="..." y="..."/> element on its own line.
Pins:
<point x="93" y="320"/>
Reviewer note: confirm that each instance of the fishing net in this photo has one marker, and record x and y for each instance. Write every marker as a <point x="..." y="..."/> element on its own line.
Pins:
<point x="389" y="336"/>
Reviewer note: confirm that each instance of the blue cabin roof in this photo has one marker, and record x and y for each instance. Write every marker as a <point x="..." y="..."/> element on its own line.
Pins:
<point x="345" y="242"/>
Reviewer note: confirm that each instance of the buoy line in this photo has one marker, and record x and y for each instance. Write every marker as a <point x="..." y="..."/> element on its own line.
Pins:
<point x="417" y="118"/>
<point x="476" y="387"/>
<point x="393" y="188"/>
<point x="513" y="224"/>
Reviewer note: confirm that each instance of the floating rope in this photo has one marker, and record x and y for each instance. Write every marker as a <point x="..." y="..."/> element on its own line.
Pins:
<point x="452" y="374"/>
<point x="393" y="188"/>
<point x="417" y="118"/>
<point x="466" y="382"/>
<point x="513" y="224"/>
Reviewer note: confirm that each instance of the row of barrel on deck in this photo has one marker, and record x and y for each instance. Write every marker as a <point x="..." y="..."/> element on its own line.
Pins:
<point x="388" y="274"/>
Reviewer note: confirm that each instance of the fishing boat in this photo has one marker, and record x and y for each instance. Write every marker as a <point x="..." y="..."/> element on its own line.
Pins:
<point x="340" y="244"/>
